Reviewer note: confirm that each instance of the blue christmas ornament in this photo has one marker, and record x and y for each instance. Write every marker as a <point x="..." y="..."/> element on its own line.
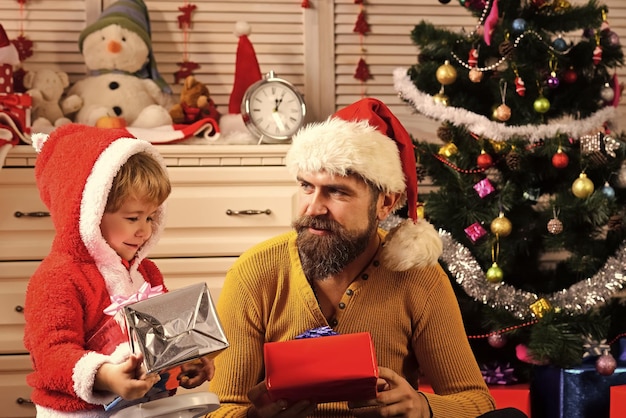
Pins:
<point x="559" y="44"/>
<point x="608" y="191"/>
<point x="518" y="26"/>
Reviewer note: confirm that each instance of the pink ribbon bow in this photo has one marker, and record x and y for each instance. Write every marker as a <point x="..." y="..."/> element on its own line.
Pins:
<point x="144" y="292"/>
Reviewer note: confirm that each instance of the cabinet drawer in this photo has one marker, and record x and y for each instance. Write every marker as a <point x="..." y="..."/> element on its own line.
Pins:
<point x="14" y="392"/>
<point x="22" y="237"/>
<point x="212" y="211"/>
<point x="222" y="211"/>
<point x="13" y="281"/>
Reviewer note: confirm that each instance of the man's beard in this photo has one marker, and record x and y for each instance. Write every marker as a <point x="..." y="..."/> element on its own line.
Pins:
<point x="324" y="255"/>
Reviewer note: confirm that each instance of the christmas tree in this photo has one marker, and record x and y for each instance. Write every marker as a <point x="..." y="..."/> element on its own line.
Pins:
<point x="529" y="176"/>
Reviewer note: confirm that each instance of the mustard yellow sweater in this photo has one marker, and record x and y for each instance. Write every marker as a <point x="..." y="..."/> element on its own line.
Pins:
<point x="413" y="317"/>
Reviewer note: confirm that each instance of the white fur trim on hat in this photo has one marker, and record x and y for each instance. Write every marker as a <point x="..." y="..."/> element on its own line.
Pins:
<point x="411" y="244"/>
<point x="342" y="147"/>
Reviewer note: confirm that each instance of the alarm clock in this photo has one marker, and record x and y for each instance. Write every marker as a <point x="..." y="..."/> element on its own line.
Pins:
<point x="273" y="109"/>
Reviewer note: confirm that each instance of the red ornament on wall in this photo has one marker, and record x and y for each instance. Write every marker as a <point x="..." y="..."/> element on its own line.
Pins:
<point x="362" y="71"/>
<point x="361" y="26"/>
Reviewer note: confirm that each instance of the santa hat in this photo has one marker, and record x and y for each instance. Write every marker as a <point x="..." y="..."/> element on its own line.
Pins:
<point x="232" y="127"/>
<point x="131" y="15"/>
<point x="247" y="71"/>
<point x="366" y="138"/>
<point x="8" y="51"/>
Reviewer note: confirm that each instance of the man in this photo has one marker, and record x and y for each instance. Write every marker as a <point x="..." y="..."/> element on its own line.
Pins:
<point x="338" y="269"/>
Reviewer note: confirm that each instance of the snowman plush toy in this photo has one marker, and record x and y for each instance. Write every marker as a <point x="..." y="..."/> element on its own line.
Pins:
<point x="123" y="84"/>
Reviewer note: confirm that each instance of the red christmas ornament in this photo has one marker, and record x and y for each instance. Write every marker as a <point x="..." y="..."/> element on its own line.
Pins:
<point x="362" y="71"/>
<point x="497" y="340"/>
<point x="186" y="68"/>
<point x="606" y="364"/>
<point x="520" y="86"/>
<point x="570" y="76"/>
<point x="472" y="60"/>
<point x="484" y="160"/>
<point x="24" y="47"/>
<point x="361" y="26"/>
<point x="184" y="20"/>
<point x="560" y="159"/>
<point x="597" y="54"/>
<point x="305" y="4"/>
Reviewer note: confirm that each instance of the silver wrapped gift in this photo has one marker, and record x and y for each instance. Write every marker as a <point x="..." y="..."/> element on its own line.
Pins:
<point x="175" y="327"/>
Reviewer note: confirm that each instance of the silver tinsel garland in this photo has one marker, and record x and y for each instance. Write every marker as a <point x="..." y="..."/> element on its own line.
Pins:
<point x="577" y="299"/>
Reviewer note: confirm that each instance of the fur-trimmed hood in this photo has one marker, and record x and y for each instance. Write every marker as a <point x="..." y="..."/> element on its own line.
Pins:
<point x="74" y="171"/>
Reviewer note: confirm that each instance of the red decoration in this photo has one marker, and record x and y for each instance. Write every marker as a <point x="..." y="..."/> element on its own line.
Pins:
<point x="18" y="80"/>
<point x="186" y="68"/>
<point x="184" y="20"/>
<point x="560" y="159"/>
<point x="361" y="26"/>
<point x="358" y="1"/>
<point x="21" y="2"/>
<point x="484" y="160"/>
<point x="520" y="87"/>
<point x="24" y="47"/>
<point x="362" y="71"/>
<point x="305" y="4"/>
<point x="570" y="76"/>
<point x="597" y="54"/>
<point x="472" y="60"/>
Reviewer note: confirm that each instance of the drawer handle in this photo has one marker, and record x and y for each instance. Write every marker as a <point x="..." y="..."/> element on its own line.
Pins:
<point x="19" y="308"/>
<point x="22" y="401"/>
<point x="248" y="212"/>
<point x="19" y="214"/>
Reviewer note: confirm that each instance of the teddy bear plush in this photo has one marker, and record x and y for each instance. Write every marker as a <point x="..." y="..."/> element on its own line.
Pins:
<point x="123" y="81"/>
<point x="195" y="103"/>
<point x="46" y="87"/>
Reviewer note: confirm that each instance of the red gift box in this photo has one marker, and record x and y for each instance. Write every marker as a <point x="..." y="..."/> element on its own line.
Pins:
<point x="618" y="401"/>
<point x="322" y="369"/>
<point x="18" y="107"/>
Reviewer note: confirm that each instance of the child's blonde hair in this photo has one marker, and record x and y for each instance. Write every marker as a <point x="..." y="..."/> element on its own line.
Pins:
<point x="142" y="177"/>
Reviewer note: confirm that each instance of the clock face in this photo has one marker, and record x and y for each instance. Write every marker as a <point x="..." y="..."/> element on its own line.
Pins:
<point x="274" y="109"/>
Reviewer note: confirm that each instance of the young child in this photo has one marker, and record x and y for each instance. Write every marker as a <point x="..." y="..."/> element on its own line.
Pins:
<point x="106" y="193"/>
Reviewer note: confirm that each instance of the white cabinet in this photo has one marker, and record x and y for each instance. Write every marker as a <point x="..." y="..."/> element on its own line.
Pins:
<point x="225" y="198"/>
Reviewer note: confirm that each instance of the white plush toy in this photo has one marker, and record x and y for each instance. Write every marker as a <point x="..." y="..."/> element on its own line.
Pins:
<point x="46" y="87"/>
<point x="124" y="81"/>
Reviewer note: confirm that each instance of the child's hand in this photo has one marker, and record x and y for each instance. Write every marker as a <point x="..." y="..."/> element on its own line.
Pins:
<point x="126" y="379"/>
<point x="195" y="373"/>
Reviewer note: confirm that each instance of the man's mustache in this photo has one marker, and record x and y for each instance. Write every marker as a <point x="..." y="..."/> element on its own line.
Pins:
<point x="316" y="222"/>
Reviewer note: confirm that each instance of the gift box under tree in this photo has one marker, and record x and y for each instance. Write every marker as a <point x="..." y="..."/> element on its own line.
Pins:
<point x="579" y="392"/>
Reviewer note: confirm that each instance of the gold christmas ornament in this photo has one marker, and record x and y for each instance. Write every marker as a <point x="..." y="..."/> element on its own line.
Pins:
<point x="494" y="274"/>
<point x="582" y="186"/>
<point x="501" y="226"/>
<point x="420" y="210"/>
<point x="555" y="226"/>
<point x="448" y="150"/>
<point x="446" y="73"/>
<point x="441" y="99"/>
<point x="540" y="307"/>
<point x="503" y="113"/>
<point x="541" y="105"/>
<point x="475" y="75"/>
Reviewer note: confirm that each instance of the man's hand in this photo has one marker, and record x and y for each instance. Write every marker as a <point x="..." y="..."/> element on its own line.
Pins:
<point x="195" y="373"/>
<point x="264" y="407"/>
<point x="396" y="398"/>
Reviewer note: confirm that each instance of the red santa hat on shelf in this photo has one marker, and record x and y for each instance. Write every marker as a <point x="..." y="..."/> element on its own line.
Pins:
<point x="8" y="58"/>
<point x="366" y="138"/>
<point x="247" y="72"/>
